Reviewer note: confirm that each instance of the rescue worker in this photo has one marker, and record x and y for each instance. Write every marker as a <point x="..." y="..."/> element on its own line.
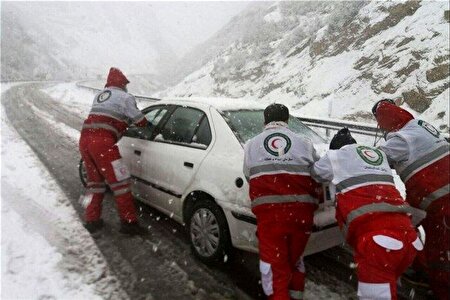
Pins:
<point x="371" y="214"/>
<point x="283" y="199"/>
<point x="113" y="110"/>
<point x="420" y="155"/>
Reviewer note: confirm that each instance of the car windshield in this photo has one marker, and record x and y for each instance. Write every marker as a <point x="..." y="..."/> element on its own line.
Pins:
<point x="249" y="123"/>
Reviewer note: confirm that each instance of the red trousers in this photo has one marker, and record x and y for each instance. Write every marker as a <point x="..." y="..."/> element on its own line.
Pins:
<point x="378" y="267"/>
<point x="437" y="253"/>
<point x="103" y="163"/>
<point x="281" y="246"/>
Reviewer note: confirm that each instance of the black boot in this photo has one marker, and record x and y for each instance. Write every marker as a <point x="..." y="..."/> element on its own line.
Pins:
<point x="132" y="228"/>
<point x="94" y="226"/>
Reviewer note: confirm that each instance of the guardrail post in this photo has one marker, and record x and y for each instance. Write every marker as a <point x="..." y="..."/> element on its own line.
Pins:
<point x="330" y="107"/>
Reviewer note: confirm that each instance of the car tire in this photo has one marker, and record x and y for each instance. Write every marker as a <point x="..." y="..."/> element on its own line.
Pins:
<point x="82" y="172"/>
<point x="208" y="232"/>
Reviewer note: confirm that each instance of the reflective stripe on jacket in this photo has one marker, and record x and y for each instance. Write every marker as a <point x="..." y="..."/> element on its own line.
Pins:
<point x="380" y="207"/>
<point x="421" y="157"/>
<point x="276" y="164"/>
<point x="353" y="166"/>
<point x="364" y="185"/>
<point x="114" y="110"/>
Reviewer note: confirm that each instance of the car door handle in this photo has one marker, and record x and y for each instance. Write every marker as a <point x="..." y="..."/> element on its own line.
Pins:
<point x="137" y="152"/>
<point x="188" y="164"/>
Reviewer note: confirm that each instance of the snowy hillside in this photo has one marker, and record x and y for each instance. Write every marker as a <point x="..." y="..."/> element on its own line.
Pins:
<point x="65" y="40"/>
<point x="329" y="59"/>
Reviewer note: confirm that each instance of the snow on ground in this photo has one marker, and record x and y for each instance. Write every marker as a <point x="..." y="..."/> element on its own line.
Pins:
<point x="46" y="253"/>
<point x="67" y="130"/>
<point x="77" y="100"/>
<point x="318" y="291"/>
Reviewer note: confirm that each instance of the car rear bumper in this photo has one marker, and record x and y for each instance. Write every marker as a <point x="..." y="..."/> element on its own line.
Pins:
<point x="243" y="227"/>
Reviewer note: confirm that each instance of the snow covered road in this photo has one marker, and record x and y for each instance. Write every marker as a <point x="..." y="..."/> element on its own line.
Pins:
<point x="159" y="266"/>
<point x="46" y="253"/>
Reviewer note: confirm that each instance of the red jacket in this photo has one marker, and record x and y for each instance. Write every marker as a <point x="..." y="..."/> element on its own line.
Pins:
<point x="366" y="197"/>
<point x="277" y="164"/>
<point x="420" y="156"/>
<point x="113" y="109"/>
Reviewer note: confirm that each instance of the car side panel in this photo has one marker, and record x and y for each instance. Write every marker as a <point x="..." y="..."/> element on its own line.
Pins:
<point x="217" y="176"/>
<point x="126" y="148"/>
<point x="222" y="166"/>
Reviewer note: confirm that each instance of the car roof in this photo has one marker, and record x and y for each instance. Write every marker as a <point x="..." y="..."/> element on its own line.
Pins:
<point x="222" y="104"/>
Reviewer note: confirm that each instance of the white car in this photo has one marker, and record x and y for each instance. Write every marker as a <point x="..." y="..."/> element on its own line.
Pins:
<point x="189" y="165"/>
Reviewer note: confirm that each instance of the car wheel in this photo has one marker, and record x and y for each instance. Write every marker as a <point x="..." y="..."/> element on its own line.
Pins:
<point x="82" y="172"/>
<point x="208" y="232"/>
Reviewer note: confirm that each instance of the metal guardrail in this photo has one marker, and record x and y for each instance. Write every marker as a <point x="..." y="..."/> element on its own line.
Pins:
<point x="324" y="123"/>
<point x="355" y="127"/>
<point x="334" y="124"/>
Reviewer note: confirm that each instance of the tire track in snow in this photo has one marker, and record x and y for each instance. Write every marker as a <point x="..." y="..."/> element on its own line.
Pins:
<point x="76" y="258"/>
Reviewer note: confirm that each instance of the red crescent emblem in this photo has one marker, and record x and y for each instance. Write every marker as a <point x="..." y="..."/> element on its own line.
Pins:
<point x="367" y="153"/>
<point x="273" y="143"/>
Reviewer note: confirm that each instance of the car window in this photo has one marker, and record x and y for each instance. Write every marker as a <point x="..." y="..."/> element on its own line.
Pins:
<point x="155" y="115"/>
<point x="203" y="134"/>
<point x="245" y="123"/>
<point x="249" y="123"/>
<point x="181" y="126"/>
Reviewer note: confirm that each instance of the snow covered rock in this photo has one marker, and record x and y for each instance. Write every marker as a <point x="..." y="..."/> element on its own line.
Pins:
<point x="328" y="59"/>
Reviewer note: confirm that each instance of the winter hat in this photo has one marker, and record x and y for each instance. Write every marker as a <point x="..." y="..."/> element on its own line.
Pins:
<point x="390" y="117"/>
<point x="116" y="79"/>
<point x="342" y="138"/>
<point x="276" y="112"/>
<point x="374" y="108"/>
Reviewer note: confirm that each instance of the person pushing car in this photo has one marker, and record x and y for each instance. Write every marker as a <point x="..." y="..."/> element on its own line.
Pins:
<point x="113" y="110"/>
<point x="420" y="155"/>
<point x="371" y="213"/>
<point x="283" y="199"/>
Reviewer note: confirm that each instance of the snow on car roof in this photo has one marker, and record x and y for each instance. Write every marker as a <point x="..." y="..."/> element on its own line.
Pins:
<point x="219" y="103"/>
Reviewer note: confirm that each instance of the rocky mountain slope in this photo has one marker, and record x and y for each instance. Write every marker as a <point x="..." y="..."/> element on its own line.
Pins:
<point x="328" y="59"/>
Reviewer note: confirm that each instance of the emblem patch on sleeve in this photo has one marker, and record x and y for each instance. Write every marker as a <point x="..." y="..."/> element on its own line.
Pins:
<point x="104" y="96"/>
<point x="428" y="127"/>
